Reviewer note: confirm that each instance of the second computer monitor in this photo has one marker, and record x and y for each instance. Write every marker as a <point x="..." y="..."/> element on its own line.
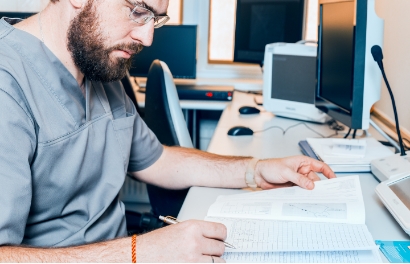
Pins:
<point x="173" y="44"/>
<point x="261" y="22"/>
<point x="349" y="80"/>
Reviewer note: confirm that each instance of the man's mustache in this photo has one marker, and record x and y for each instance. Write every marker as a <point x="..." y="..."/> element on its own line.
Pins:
<point x="132" y="48"/>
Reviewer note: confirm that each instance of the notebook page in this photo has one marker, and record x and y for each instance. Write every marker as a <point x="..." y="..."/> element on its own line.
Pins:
<point x="335" y="201"/>
<point x="365" y="256"/>
<point x="250" y="235"/>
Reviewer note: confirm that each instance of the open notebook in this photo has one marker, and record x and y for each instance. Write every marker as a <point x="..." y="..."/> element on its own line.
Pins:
<point x="326" y="224"/>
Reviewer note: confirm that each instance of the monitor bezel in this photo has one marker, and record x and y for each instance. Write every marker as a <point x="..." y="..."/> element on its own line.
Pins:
<point x="194" y="60"/>
<point x="238" y="24"/>
<point x="352" y="118"/>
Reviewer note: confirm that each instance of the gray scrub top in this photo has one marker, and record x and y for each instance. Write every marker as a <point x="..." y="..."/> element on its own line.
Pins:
<point x="63" y="155"/>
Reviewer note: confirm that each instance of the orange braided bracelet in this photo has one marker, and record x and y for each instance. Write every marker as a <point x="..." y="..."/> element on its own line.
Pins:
<point x="134" y="248"/>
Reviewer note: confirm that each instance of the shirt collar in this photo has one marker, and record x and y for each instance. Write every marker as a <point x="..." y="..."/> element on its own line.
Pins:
<point x="54" y="75"/>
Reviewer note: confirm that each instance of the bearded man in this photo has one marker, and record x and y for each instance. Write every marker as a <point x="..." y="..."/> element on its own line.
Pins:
<point x="69" y="135"/>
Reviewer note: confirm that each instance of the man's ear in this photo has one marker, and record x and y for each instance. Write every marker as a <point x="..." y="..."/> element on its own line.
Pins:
<point x="78" y="4"/>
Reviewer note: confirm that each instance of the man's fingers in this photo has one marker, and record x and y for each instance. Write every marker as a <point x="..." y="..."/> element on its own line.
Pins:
<point x="213" y="247"/>
<point x="322" y="167"/>
<point x="313" y="176"/>
<point x="267" y="186"/>
<point x="214" y="230"/>
<point x="301" y="180"/>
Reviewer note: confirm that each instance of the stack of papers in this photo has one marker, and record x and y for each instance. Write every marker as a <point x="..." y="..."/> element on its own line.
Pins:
<point x="353" y="156"/>
<point x="326" y="224"/>
<point x="349" y="148"/>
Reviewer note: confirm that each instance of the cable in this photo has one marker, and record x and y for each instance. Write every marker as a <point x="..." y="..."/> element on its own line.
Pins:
<point x="258" y="92"/>
<point x="287" y="129"/>
<point x="404" y="145"/>
<point x="354" y="133"/>
<point x="378" y="129"/>
<point x="348" y="133"/>
<point x="335" y="126"/>
<point x="335" y="134"/>
<point x="256" y="102"/>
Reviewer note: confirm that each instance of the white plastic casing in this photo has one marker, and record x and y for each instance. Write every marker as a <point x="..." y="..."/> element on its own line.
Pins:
<point x="396" y="207"/>
<point x="372" y="75"/>
<point x="286" y="108"/>
<point x="391" y="167"/>
<point x="175" y="109"/>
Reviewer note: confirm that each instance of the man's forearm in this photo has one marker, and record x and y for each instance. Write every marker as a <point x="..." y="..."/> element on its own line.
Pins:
<point x="118" y="250"/>
<point x="180" y="168"/>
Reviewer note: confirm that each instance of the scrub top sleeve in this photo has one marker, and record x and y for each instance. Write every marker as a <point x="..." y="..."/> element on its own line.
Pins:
<point x="17" y="148"/>
<point x="145" y="149"/>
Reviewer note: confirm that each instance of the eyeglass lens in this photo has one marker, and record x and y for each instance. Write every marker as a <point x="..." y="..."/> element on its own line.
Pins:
<point x="143" y="16"/>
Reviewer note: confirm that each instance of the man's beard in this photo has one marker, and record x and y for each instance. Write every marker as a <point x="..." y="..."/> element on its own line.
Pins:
<point x="86" y="44"/>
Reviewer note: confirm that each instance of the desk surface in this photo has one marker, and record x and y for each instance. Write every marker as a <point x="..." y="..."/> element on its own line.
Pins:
<point x="271" y="144"/>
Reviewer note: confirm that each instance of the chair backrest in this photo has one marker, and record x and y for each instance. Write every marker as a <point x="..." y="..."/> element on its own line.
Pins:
<point x="126" y="83"/>
<point x="163" y="114"/>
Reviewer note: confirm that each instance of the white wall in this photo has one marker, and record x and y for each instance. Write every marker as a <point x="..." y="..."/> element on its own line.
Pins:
<point x="396" y="47"/>
<point x="23" y="5"/>
<point x="396" y="60"/>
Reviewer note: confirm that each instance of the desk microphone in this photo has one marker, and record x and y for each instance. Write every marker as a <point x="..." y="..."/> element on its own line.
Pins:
<point x="378" y="57"/>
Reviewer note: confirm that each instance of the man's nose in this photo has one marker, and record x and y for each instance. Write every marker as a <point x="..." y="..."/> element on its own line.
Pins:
<point x="144" y="33"/>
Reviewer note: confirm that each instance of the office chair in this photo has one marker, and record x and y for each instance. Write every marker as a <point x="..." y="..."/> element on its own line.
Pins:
<point x="164" y="117"/>
<point x="126" y="83"/>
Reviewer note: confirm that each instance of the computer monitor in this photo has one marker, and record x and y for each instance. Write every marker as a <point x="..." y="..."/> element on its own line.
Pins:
<point x="173" y="44"/>
<point x="261" y="22"/>
<point x="349" y="81"/>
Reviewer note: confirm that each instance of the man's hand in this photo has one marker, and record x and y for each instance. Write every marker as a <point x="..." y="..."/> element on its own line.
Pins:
<point x="188" y="241"/>
<point x="285" y="172"/>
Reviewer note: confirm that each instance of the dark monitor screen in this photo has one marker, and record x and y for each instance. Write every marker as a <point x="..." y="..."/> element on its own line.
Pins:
<point x="176" y="46"/>
<point x="15" y="15"/>
<point x="261" y="22"/>
<point x="337" y="54"/>
<point x="284" y="68"/>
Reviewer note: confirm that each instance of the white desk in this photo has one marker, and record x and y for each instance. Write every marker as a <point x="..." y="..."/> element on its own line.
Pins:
<point x="272" y="144"/>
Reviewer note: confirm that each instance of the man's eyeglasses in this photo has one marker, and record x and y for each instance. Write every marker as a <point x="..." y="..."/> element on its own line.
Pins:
<point x="142" y="16"/>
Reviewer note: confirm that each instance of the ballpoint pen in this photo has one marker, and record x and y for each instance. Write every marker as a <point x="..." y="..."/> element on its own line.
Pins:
<point x="172" y="220"/>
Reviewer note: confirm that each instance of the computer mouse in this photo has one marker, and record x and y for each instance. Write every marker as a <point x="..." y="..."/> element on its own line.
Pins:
<point x="240" y="131"/>
<point x="248" y="110"/>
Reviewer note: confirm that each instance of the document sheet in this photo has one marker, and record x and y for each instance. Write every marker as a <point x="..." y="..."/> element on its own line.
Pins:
<point x="297" y="225"/>
<point x="332" y="201"/>
<point x="354" y="256"/>
<point x="253" y="235"/>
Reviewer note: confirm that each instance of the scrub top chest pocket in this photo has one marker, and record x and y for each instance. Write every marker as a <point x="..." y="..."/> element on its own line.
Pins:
<point x="124" y="129"/>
